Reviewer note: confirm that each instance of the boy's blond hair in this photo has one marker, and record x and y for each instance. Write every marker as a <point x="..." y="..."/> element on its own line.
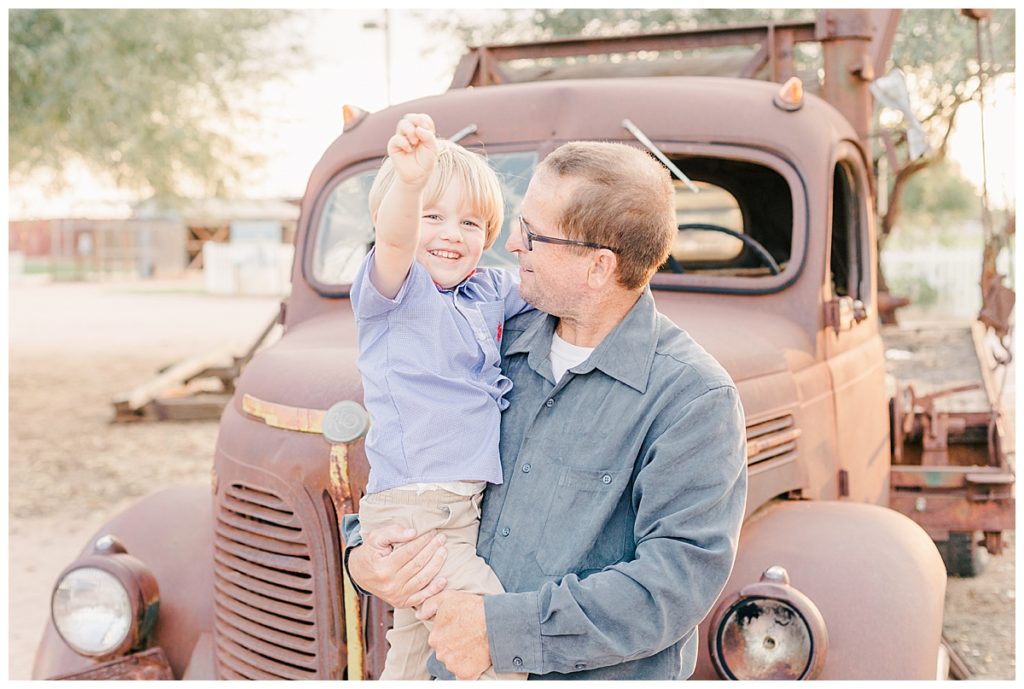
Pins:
<point x="479" y="184"/>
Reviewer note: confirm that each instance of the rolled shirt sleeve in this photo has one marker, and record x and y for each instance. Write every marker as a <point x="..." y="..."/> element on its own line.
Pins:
<point x="689" y="497"/>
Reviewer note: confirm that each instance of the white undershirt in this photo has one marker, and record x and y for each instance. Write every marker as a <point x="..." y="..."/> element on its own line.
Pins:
<point x="565" y="355"/>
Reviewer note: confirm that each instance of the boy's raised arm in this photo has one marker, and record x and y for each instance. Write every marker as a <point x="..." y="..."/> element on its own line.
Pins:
<point x="413" y="151"/>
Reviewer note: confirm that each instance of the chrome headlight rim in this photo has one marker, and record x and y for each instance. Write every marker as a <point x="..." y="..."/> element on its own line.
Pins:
<point x="110" y="557"/>
<point x="773" y="587"/>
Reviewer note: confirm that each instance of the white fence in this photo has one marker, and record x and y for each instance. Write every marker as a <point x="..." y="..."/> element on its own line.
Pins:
<point x="257" y="268"/>
<point x="942" y="282"/>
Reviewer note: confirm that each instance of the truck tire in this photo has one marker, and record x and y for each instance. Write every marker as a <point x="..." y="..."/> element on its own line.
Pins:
<point x="962" y="555"/>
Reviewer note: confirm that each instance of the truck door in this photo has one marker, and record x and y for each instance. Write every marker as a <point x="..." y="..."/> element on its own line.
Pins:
<point x="854" y="348"/>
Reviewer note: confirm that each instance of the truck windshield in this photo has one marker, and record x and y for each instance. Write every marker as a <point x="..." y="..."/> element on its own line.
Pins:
<point x="742" y="215"/>
<point x="345" y="233"/>
<point x="740" y="204"/>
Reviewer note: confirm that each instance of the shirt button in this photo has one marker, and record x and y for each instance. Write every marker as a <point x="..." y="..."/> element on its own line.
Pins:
<point x="526" y="468"/>
<point x="549" y="403"/>
<point x="506" y="531"/>
<point x="581" y="666"/>
<point x="517" y="661"/>
<point x="606" y="479"/>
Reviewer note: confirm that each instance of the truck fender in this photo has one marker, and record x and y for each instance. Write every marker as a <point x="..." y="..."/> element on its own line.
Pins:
<point x="170" y="532"/>
<point x="875" y="576"/>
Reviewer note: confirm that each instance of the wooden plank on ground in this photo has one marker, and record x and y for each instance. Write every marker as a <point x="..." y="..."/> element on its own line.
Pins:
<point x="202" y="407"/>
<point x="176" y="375"/>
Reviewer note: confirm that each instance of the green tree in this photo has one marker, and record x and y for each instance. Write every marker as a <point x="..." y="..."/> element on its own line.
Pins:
<point x="148" y="98"/>
<point x="937" y="49"/>
<point x="941" y="194"/>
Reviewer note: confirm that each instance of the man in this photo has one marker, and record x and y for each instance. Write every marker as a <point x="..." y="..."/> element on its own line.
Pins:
<point x="623" y="453"/>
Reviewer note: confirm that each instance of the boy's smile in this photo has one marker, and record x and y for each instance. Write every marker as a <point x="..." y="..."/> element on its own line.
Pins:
<point x="452" y="238"/>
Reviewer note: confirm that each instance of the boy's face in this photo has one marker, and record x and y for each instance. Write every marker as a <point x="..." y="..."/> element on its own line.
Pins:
<point x="452" y="238"/>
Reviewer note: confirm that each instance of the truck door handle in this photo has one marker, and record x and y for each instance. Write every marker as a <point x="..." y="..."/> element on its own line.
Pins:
<point x="843" y="312"/>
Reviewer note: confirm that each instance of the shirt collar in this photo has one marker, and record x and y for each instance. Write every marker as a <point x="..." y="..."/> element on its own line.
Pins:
<point x="625" y="354"/>
<point x="442" y="288"/>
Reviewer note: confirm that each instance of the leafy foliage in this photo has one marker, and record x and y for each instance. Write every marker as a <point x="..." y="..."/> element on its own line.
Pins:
<point x="943" y="192"/>
<point x="146" y="97"/>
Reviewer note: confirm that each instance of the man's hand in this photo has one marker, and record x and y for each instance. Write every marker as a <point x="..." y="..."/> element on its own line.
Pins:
<point x="413" y="149"/>
<point x="459" y="636"/>
<point x="403" y="577"/>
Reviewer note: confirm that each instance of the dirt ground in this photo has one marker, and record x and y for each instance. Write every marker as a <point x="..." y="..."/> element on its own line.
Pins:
<point x="74" y="346"/>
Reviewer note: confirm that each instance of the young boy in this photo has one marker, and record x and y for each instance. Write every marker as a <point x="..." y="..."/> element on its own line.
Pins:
<point x="430" y="325"/>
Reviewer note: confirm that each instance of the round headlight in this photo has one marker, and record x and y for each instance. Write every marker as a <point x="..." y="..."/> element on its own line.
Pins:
<point x="92" y="611"/>
<point x="769" y="630"/>
<point x="760" y="638"/>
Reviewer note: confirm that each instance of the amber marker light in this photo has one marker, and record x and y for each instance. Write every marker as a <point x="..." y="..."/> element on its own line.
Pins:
<point x="352" y="115"/>
<point x="791" y="96"/>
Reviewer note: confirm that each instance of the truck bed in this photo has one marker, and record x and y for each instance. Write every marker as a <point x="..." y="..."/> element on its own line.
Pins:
<point x="932" y="357"/>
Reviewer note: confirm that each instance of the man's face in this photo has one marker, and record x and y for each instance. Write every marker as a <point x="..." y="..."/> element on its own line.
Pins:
<point x="553" y="276"/>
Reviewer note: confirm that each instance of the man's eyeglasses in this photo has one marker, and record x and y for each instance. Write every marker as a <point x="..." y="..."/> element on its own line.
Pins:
<point x="529" y="237"/>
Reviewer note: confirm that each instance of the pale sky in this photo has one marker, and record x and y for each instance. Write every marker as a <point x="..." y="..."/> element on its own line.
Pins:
<point x="303" y="116"/>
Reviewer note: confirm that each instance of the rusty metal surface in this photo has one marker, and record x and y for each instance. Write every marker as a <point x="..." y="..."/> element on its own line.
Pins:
<point x="947" y="476"/>
<point x="284" y="416"/>
<point x="481" y="65"/>
<point x="845" y="36"/>
<point x="265" y="624"/>
<point x="341" y="495"/>
<point x="883" y="558"/>
<point x="145" y="666"/>
<point x="939" y="514"/>
<point x="170" y="532"/>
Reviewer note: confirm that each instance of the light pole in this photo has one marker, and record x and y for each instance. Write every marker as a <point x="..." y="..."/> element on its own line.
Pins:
<point x="386" y="26"/>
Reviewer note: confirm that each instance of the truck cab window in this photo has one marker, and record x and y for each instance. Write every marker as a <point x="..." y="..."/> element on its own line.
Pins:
<point x="847" y="263"/>
<point x="743" y="212"/>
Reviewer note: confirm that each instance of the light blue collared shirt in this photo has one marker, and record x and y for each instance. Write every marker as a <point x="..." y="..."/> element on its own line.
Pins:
<point x="429" y="359"/>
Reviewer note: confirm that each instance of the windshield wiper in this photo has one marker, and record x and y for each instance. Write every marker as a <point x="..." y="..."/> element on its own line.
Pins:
<point x="462" y="133"/>
<point x="649" y="145"/>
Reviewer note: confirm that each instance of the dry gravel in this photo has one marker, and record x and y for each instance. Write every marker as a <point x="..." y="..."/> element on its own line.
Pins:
<point x="74" y="346"/>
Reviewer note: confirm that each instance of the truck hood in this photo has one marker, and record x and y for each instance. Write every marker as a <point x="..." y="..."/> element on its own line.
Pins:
<point x="748" y="343"/>
<point x="314" y="365"/>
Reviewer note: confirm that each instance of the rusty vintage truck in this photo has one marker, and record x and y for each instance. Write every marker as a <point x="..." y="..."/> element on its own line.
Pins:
<point x="774" y="272"/>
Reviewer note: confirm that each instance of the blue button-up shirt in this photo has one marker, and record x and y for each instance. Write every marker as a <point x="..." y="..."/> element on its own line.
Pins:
<point x="617" y="524"/>
<point x="431" y="380"/>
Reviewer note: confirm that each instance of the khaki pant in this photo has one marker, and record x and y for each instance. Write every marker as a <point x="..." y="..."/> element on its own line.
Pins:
<point x="456" y="516"/>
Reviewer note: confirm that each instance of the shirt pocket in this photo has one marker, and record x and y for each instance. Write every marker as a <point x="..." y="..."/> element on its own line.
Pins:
<point x="493" y="313"/>
<point x="587" y="524"/>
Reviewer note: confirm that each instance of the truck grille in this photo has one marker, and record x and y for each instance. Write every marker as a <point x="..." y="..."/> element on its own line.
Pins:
<point x="771" y="438"/>
<point x="265" y="623"/>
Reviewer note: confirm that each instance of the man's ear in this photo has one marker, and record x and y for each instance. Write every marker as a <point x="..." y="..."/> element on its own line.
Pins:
<point x="603" y="268"/>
